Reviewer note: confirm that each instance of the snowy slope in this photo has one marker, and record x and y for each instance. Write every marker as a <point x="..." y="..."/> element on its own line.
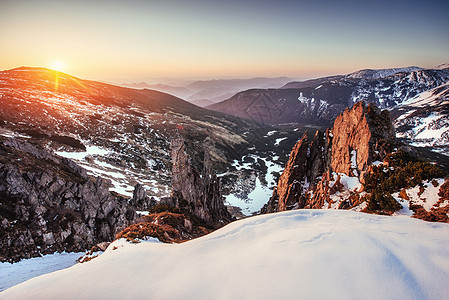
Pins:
<point x="301" y="254"/>
<point x="12" y="274"/>
<point x="424" y="119"/>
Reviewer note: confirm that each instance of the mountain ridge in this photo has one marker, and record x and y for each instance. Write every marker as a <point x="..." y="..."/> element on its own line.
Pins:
<point x="319" y="101"/>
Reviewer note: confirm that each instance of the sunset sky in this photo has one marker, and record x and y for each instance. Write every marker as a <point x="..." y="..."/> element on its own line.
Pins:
<point x="140" y="40"/>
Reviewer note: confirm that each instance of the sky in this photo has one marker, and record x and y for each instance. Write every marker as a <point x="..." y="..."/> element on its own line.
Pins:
<point x="143" y="40"/>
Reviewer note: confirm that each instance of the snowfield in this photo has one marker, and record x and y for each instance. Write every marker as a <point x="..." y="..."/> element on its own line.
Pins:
<point x="301" y="254"/>
<point x="12" y="274"/>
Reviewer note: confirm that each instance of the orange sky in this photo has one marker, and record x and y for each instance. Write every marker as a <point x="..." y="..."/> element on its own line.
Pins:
<point x="140" y="40"/>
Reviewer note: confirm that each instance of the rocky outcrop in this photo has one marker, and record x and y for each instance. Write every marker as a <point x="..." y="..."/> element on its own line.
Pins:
<point x="140" y="201"/>
<point x="48" y="203"/>
<point x="308" y="160"/>
<point x="360" y="136"/>
<point x="196" y="192"/>
<point x="314" y="171"/>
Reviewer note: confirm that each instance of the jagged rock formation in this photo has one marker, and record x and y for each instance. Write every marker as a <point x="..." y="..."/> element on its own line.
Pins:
<point x="196" y="192"/>
<point x="308" y="159"/>
<point x="359" y="137"/>
<point x="48" y="203"/>
<point x="140" y="200"/>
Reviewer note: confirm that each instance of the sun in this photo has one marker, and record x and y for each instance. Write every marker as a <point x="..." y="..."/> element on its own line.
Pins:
<point x="57" y="65"/>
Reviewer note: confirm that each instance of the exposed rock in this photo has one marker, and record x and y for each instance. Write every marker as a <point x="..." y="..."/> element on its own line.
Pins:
<point x="359" y="137"/>
<point x="308" y="160"/>
<point x="365" y="130"/>
<point x="140" y="200"/>
<point x="48" y="204"/>
<point x="195" y="192"/>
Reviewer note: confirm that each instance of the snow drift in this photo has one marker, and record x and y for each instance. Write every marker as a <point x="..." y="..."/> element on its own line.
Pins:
<point x="302" y="254"/>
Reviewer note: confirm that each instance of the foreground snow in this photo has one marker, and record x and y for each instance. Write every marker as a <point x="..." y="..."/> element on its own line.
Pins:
<point x="12" y="274"/>
<point x="302" y="254"/>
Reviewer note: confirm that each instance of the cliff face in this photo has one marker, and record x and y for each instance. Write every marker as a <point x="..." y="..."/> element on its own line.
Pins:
<point x="316" y="166"/>
<point x="195" y="191"/>
<point x="359" y="136"/>
<point x="48" y="204"/>
<point x="308" y="160"/>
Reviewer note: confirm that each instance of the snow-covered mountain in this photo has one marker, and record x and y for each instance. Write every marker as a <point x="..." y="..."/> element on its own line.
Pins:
<point x="319" y="101"/>
<point x="306" y="254"/>
<point x="120" y="134"/>
<point x="379" y="73"/>
<point x="442" y="66"/>
<point x="123" y="135"/>
<point x="424" y="119"/>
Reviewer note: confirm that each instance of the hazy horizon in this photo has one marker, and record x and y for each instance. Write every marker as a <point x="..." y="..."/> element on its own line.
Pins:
<point x="199" y="40"/>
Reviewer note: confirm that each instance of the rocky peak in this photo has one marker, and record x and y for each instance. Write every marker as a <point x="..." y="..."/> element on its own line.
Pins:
<point x="360" y="136"/>
<point x="196" y="191"/>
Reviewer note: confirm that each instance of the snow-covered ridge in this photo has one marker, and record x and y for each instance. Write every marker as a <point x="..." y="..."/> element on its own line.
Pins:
<point x="442" y="66"/>
<point x="379" y="73"/>
<point x="301" y="254"/>
<point x="424" y="119"/>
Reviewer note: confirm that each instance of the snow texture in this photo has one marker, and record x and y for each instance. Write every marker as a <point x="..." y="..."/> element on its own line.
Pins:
<point x="12" y="274"/>
<point x="301" y="254"/>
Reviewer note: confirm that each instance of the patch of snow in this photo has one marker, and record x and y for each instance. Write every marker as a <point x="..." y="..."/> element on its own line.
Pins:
<point x="90" y="150"/>
<point x="12" y="274"/>
<point x="377" y="163"/>
<point x="270" y="133"/>
<point x="143" y="213"/>
<point x="406" y="257"/>
<point x="302" y="99"/>
<point x="276" y="143"/>
<point x="354" y="159"/>
<point x="261" y="193"/>
<point x="349" y="182"/>
<point x="429" y="197"/>
<point x="405" y="211"/>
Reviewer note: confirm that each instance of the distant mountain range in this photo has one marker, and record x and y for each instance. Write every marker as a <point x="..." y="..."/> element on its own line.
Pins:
<point x="206" y="92"/>
<point x="319" y="101"/>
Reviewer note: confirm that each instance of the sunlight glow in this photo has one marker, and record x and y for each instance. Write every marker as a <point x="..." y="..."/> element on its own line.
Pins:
<point x="57" y="65"/>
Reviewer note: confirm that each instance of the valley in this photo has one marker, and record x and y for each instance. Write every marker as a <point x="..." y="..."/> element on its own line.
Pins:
<point x="119" y="142"/>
